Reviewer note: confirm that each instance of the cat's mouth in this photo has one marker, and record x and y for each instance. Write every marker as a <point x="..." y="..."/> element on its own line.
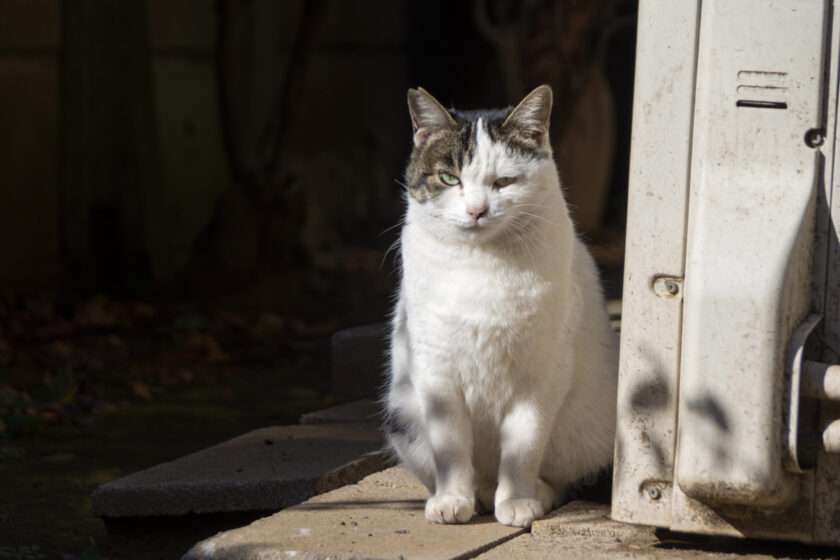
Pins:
<point x="477" y="227"/>
<point x="474" y="225"/>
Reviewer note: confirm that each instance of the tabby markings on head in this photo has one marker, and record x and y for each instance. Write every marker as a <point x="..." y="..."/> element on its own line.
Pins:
<point x="451" y="148"/>
<point x="446" y="141"/>
<point x="446" y="149"/>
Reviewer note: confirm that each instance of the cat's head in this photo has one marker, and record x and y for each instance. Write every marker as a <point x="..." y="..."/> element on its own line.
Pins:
<point x="473" y="174"/>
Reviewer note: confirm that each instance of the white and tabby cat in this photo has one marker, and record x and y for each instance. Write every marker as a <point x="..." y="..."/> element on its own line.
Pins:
<point x="503" y="363"/>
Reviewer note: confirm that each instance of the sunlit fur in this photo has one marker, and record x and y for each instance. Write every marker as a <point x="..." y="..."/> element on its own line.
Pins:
<point x="503" y="363"/>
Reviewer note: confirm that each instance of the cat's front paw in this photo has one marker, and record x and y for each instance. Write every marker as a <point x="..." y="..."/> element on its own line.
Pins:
<point x="519" y="512"/>
<point x="449" y="508"/>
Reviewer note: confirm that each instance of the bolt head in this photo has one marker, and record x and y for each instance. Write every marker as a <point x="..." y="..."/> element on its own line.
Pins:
<point x="814" y="138"/>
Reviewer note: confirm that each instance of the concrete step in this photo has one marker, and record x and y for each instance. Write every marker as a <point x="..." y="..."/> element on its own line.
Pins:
<point x="264" y="470"/>
<point x="379" y="517"/>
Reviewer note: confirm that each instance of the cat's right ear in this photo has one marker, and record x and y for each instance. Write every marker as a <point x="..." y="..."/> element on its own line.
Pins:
<point x="426" y="114"/>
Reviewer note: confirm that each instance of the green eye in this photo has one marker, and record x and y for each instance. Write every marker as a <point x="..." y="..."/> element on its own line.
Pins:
<point x="504" y="181"/>
<point x="448" y="179"/>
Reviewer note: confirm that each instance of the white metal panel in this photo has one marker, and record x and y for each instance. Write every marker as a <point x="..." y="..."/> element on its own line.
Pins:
<point x="651" y="308"/>
<point x="751" y="217"/>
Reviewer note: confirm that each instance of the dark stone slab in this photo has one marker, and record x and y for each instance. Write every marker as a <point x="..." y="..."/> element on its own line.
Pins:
<point x="267" y="469"/>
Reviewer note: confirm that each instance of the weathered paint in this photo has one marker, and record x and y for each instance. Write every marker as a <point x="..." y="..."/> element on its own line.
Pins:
<point x="657" y="209"/>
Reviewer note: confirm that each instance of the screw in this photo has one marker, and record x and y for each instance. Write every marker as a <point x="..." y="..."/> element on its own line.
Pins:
<point x="672" y="287"/>
<point x="814" y="138"/>
<point x="654" y="493"/>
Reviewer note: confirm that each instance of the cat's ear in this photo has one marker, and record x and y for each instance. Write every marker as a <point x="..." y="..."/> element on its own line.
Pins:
<point x="426" y="114"/>
<point x="533" y="114"/>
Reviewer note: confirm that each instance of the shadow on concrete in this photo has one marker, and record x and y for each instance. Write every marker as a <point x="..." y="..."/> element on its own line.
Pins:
<point x="733" y="545"/>
<point x="168" y="537"/>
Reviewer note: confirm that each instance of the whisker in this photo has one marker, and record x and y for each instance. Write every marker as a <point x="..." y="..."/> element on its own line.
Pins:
<point x="543" y="218"/>
<point x="392" y="247"/>
<point x="393" y="227"/>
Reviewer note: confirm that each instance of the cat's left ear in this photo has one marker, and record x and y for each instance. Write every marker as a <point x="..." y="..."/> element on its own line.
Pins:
<point x="533" y="114"/>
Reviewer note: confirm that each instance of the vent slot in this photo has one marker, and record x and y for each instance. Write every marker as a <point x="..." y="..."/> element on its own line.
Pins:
<point x="756" y="104"/>
<point x="762" y="90"/>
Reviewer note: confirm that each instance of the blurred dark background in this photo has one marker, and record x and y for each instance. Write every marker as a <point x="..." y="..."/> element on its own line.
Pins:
<point x="197" y="149"/>
<point x="196" y="194"/>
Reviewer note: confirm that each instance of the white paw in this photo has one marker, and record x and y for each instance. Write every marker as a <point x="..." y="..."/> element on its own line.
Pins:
<point x="448" y="508"/>
<point x="519" y="512"/>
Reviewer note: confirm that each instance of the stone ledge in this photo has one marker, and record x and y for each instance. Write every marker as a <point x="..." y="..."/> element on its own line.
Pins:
<point x="267" y="469"/>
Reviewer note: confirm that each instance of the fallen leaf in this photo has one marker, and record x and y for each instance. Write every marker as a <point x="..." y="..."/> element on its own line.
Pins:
<point x="48" y="415"/>
<point x="114" y="341"/>
<point x="208" y="346"/>
<point x="141" y="390"/>
<point x="60" y="348"/>
<point x="143" y="311"/>
<point x="97" y="312"/>
<point x="268" y="324"/>
<point x="70" y="395"/>
<point x="7" y="394"/>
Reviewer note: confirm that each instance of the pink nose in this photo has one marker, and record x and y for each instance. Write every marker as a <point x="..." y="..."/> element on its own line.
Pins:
<point x="477" y="211"/>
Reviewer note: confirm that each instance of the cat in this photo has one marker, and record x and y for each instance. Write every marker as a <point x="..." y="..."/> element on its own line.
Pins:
<point x="503" y="363"/>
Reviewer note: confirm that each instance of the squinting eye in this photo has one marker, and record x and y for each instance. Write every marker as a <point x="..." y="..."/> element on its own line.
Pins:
<point x="448" y="179"/>
<point x="504" y="181"/>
